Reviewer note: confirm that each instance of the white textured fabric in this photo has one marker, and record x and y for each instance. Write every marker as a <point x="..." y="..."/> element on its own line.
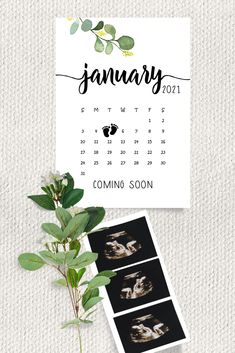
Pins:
<point x="197" y="244"/>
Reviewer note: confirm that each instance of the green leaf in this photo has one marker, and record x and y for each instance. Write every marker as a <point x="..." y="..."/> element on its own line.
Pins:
<point x="81" y="273"/>
<point x="60" y="258"/>
<point x="88" y="294"/>
<point x="47" y="190"/>
<point x="84" y="260"/>
<point x="86" y="25"/>
<point x="75" y="322"/>
<point x="48" y="256"/>
<point x="44" y="189"/>
<point x="91" y="312"/>
<point x="57" y="259"/>
<point x="110" y="30"/>
<point x="92" y="302"/>
<point x="107" y="273"/>
<point x="109" y="48"/>
<point x="60" y="282"/>
<point x="96" y="215"/>
<point x="63" y="216"/>
<point x="99" y="26"/>
<point x="53" y="230"/>
<point x="98" y="282"/>
<point x="30" y="261"/>
<point x="72" y="277"/>
<point x="74" y="27"/>
<point x="69" y="256"/>
<point x="70" y="185"/>
<point x="76" y="226"/>
<point x="86" y="321"/>
<point x="126" y="42"/>
<point x="43" y="201"/>
<point x="75" y="245"/>
<point x="98" y="230"/>
<point x="72" y="197"/>
<point x="99" y="46"/>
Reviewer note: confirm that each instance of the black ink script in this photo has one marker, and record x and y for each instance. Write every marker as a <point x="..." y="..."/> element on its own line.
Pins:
<point x="115" y="76"/>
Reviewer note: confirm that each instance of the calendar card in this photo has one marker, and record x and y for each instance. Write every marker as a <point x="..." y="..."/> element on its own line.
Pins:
<point x="140" y="303"/>
<point x="123" y="109"/>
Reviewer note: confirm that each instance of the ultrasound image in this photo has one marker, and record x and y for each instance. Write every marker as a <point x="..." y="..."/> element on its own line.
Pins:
<point x="135" y="285"/>
<point x="120" y="245"/>
<point x="147" y="328"/>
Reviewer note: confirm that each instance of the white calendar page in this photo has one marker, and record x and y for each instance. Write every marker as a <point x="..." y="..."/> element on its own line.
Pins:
<point x="126" y="144"/>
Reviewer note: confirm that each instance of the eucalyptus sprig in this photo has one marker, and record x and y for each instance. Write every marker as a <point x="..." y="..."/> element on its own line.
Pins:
<point x="62" y="251"/>
<point x="123" y="43"/>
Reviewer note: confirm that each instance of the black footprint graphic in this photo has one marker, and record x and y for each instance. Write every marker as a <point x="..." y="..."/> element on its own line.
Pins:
<point x="113" y="129"/>
<point x="106" y="131"/>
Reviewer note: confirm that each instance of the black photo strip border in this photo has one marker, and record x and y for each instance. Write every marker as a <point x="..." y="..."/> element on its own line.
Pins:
<point x="166" y="306"/>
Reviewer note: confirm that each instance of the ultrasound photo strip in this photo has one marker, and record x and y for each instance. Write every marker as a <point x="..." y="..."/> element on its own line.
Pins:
<point x="139" y="303"/>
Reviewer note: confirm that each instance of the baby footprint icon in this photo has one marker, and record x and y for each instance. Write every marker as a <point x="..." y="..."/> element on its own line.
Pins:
<point x="114" y="128"/>
<point x="106" y="131"/>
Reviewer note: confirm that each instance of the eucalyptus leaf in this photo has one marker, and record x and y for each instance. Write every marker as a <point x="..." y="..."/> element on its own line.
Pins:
<point x="86" y="321"/>
<point x="74" y="27"/>
<point x="76" y="225"/>
<point x="48" y="256"/>
<point x="98" y="282"/>
<point x="57" y="258"/>
<point x="63" y="216"/>
<point x="88" y="294"/>
<point x="75" y="245"/>
<point x="75" y="322"/>
<point x="90" y="313"/>
<point x="86" y="25"/>
<point x="92" y="302"/>
<point x="98" y="230"/>
<point x="84" y="260"/>
<point x="60" y="258"/>
<point x="109" y="48"/>
<point x="53" y="230"/>
<point x="126" y="42"/>
<point x="96" y="215"/>
<point x="72" y="277"/>
<point x="69" y="256"/>
<point x="43" y="201"/>
<point x="30" y="261"/>
<point x="99" y="26"/>
<point x="107" y="273"/>
<point x="110" y="29"/>
<point x="60" y="282"/>
<point x="72" y="197"/>
<point x="99" y="46"/>
<point x="81" y="273"/>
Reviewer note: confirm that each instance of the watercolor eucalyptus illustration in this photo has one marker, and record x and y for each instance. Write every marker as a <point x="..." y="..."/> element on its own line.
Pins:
<point x="62" y="249"/>
<point x="101" y="31"/>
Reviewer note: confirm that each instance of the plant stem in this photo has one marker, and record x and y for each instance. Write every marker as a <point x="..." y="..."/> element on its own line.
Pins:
<point x="71" y="294"/>
<point x="71" y="297"/>
<point x="74" y="305"/>
<point x="80" y="340"/>
<point x="74" y="301"/>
